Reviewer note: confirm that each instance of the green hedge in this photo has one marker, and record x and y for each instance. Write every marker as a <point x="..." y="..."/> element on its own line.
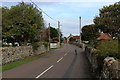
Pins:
<point x="108" y="48"/>
<point x="35" y="45"/>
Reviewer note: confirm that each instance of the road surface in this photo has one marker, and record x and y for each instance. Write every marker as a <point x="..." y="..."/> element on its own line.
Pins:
<point x="60" y="63"/>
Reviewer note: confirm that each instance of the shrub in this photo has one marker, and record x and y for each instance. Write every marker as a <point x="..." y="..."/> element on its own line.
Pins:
<point x="46" y="44"/>
<point x="108" y="48"/>
<point x="35" y="45"/>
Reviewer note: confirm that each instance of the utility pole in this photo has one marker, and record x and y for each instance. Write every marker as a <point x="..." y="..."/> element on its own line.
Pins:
<point x="59" y="31"/>
<point x="49" y="34"/>
<point x="80" y="28"/>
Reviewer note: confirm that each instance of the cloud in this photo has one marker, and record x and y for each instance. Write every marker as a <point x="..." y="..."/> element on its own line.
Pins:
<point x="62" y="0"/>
<point x="71" y="26"/>
<point x="68" y="12"/>
<point x="87" y="22"/>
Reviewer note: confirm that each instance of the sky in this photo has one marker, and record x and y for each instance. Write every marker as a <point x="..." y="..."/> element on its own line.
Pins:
<point x="67" y="12"/>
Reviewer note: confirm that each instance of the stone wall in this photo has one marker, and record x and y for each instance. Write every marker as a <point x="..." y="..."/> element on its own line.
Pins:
<point x="12" y="54"/>
<point x="103" y="67"/>
<point x="82" y="45"/>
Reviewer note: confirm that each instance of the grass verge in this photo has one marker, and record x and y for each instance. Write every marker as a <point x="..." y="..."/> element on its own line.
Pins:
<point x="21" y="62"/>
<point x="58" y="47"/>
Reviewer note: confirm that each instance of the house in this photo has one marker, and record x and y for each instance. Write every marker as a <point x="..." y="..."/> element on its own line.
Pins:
<point x="104" y="36"/>
<point x="76" y="38"/>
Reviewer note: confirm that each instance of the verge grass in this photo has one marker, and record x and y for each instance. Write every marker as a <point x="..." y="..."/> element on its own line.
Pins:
<point x="23" y="61"/>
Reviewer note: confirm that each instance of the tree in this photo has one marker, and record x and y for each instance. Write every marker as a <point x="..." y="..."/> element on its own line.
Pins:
<point x="53" y="33"/>
<point x="108" y="20"/>
<point x="89" y="33"/>
<point x="22" y="23"/>
<point x="72" y="39"/>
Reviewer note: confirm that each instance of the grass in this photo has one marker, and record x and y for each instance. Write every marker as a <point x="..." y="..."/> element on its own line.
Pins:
<point x="21" y="62"/>
<point x="57" y="47"/>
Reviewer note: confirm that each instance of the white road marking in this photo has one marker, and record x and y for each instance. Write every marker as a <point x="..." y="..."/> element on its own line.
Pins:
<point x="65" y="54"/>
<point x="51" y="66"/>
<point x="44" y="71"/>
<point x="59" y="60"/>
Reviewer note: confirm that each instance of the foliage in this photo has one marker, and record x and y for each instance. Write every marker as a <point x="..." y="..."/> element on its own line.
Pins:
<point x="108" y="20"/>
<point x="72" y="39"/>
<point x="108" y="48"/>
<point x="21" y="23"/>
<point x="35" y="45"/>
<point x="53" y="33"/>
<point x="0" y="44"/>
<point x="90" y="45"/>
<point x="90" y="33"/>
<point x="45" y="44"/>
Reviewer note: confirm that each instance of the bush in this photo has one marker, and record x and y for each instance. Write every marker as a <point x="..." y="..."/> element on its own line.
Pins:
<point x="35" y="45"/>
<point x="46" y="44"/>
<point x="108" y="48"/>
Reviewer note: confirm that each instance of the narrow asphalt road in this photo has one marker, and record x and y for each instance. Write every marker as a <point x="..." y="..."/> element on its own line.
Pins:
<point x="61" y="63"/>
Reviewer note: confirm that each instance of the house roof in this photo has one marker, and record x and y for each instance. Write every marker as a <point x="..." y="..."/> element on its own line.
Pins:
<point x="76" y="37"/>
<point x="104" y="36"/>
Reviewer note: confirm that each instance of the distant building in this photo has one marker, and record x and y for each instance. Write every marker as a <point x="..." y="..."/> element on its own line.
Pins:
<point x="76" y="38"/>
<point x="104" y="36"/>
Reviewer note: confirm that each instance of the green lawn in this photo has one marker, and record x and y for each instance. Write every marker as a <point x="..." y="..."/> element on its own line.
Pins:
<point x="20" y="62"/>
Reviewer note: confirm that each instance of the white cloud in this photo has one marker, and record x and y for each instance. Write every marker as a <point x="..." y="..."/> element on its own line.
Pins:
<point x="62" y="0"/>
<point x="87" y="22"/>
<point x="71" y="26"/>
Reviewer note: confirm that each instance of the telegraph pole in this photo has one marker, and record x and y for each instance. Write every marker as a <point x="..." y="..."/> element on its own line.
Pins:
<point x="49" y="33"/>
<point x="80" y="28"/>
<point x="59" y="31"/>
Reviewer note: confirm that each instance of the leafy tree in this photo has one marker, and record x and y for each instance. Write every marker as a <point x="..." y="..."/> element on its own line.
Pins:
<point x="53" y="33"/>
<point x="22" y="23"/>
<point x="89" y="33"/>
<point x="72" y="39"/>
<point x="0" y="24"/>
<point x="108" y="20"/>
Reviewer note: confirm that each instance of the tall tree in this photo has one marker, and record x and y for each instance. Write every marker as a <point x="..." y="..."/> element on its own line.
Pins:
<point x="108" y="20"/>
<point x="53" y="33"/>
<point x="22" y="23"/>
<point x="89" y="33"/>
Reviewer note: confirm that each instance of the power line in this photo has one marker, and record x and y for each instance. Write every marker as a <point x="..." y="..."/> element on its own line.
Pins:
<point x="43" y="11"/>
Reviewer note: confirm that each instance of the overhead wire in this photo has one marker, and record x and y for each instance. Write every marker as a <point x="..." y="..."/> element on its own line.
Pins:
<point x="43" y="11"/>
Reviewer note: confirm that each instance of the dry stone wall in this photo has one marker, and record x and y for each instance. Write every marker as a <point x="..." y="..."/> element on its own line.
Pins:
<point x="107" y="67"/>
<point x="12" y="54"/>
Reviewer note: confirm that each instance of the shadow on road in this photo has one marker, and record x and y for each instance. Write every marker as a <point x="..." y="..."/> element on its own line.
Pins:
<point x="79" y="67"/>
<point x="69" y="70"/>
